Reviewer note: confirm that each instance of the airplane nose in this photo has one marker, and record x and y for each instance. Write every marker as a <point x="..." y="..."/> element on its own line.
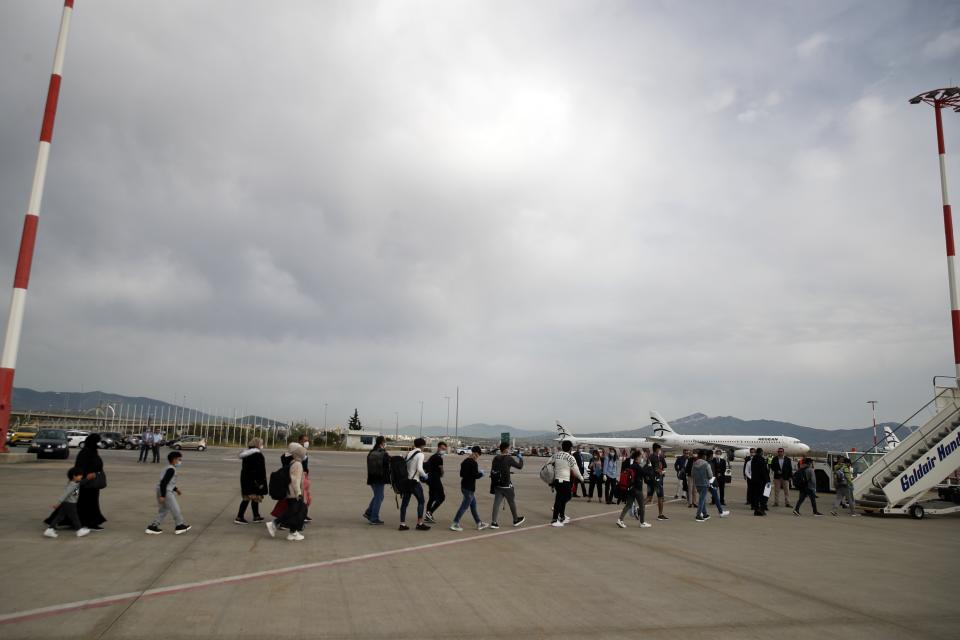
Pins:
<point x="805" y="448"/>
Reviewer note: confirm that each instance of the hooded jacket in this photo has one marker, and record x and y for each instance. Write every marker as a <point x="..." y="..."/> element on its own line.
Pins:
<point x="253" y="473"/>
<point x="297" y="453"/>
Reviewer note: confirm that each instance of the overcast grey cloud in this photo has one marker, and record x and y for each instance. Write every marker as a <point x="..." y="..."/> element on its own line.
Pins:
<point x="574" y="210"/>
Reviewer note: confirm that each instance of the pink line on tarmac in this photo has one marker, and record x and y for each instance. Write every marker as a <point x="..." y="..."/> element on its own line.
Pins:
<point x="106" y="601"/>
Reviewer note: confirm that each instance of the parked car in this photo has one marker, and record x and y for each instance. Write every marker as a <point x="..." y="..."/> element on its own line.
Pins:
<point x="50" y="442"/>
<point x="75" y="438"/>
<point x="21" y="435"/>
<point x="110" y="440"/>
<point x="131" y="442"/>
<point x="463" y="451"/>
<point x="190" y="442"/>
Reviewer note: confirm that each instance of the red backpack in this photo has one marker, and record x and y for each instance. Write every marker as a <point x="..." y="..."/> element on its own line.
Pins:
<point x="628" y="478"/>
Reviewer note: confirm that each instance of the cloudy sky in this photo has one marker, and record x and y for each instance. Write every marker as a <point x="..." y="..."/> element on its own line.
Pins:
<point x="573" y="210"/>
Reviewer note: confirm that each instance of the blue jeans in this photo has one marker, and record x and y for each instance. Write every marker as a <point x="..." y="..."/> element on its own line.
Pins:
<point x="469" y="500"/>
<point x="701" y="501"/>
<point x="716" y="498"/>
<point x="373" y="509"/>
<point x="416" y="490"/>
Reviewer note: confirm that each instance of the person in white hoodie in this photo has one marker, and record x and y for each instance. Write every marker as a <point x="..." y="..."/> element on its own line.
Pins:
<point x="292" y="518"/>
<point x="415" y="474"/>
<point x="565" y="467"/>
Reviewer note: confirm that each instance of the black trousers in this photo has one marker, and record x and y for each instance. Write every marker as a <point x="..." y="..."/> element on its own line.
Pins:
<point x="596" y="481"/>
<point x="144" y="447"/>
<point x="608" y="489"/>
<point x="758" y="500"/>
<point x="807" y="493"/>
<point x="156" y="453"/>
<point x="67" y="511"/>
<point x="560" y="500"/>
<point x="293" y="517"/>
<point x="254" y="506"/>
<point x="437" y="495"/>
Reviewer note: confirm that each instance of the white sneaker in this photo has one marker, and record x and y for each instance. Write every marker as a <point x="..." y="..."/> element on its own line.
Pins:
<point x="51" y="533"/>
<point x="566" y="519"/>
<point x="556" y="523"/>
<point x="645" y="525"/>
<point x="271" y="529"/>
<point x="83" y="531"/>
<point x="724" y="514"/>
<point x="481" y="526"/>
<point x="296" y="536"/>
<point x="621" y="524"/>
<point x="456" y="527"/>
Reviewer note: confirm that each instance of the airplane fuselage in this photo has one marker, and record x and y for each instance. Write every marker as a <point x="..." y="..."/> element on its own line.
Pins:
<point x="740" y="445"/>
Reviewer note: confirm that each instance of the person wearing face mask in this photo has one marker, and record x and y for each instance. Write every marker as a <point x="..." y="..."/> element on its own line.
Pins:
<point x="434" y="469"/>
<point x="304" y="441"/>
<point x="610" y="474"/>
<point x="167" y="494"/>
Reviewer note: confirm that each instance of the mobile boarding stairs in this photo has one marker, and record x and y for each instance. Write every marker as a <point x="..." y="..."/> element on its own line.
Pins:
<point x="926" y="459"/>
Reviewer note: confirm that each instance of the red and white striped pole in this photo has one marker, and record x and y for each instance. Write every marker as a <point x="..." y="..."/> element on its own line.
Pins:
<point x="950" y="98"/>
<point x="11" y="344"/>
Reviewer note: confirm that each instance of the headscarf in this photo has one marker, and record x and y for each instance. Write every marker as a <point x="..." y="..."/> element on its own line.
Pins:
<point x="88" y="458"/>
<point x="296" y="450"/>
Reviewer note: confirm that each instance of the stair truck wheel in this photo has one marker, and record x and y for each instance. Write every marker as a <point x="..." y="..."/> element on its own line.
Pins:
<point x="917" y="512"/>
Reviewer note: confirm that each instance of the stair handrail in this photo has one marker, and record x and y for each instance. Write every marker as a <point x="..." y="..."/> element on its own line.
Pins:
<point x="876" y="447"/>
<point x="894" y="456"/>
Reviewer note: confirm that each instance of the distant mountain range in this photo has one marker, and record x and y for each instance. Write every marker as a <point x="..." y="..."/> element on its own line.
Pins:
<point x="697" y="423"/>
<point x="87" y="402"/>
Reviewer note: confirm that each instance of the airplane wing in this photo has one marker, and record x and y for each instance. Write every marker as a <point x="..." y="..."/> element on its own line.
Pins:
<point x="719" y="445"/>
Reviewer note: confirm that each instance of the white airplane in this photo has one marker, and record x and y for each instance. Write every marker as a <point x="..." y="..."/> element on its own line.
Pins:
<point x="617" y="443"/>
<point x="738" y="446"/>
<point x="890" y="440"/>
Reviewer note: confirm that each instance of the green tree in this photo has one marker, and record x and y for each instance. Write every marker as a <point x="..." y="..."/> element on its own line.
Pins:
<point x="355" y="424"/>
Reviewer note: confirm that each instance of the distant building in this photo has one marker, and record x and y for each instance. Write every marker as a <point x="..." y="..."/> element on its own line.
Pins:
<point x="361" y="440"/>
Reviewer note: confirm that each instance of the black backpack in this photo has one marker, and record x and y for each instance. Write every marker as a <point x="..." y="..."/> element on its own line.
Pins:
<point x="649" y="474"/>
<point x="499" y="475"/>
<point x="375" y="465"/>
<point x="800" y="479"/>
<point x="279" y="482"/>
<point x="398" y="474"/>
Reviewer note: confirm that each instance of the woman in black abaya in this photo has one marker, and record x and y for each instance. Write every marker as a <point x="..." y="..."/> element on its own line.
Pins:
<point x="91" y="465"/>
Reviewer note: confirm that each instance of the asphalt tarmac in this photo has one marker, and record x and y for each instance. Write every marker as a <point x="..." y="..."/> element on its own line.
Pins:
<point x="738" y="577"/>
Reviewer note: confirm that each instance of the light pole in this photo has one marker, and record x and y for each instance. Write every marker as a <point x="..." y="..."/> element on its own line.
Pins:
<point x="421" y="418"/>
<point x="397" y="436"/>
<point x="456" y="421"/>
<point x="940" y="98"/>
<point x="324" y="417"/>
<point x="448" y="415"/>
<point x="873" y="408"/>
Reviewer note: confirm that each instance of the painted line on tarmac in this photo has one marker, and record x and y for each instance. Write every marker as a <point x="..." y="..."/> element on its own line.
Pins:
<point x="106" y="601"/>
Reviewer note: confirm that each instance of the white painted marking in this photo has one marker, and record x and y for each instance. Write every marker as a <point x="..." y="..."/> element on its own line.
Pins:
<point x="14" y="325"/>
<point x="62" y="41"/>
<point x="39" y="178"/>
<point x="943" y="179"/>
<point x="59" y="609"/>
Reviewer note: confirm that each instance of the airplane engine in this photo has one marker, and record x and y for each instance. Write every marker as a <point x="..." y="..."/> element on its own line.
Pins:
<point x="740" y="454"/>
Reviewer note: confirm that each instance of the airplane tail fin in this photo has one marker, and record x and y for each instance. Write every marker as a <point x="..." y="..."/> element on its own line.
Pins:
<point x="890" y="439"/>
<point x="660" y="426"/>
<point x="562" y="433"/>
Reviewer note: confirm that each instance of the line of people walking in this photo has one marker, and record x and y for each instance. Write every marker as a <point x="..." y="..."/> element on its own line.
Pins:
<point x="633" y="482"/>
